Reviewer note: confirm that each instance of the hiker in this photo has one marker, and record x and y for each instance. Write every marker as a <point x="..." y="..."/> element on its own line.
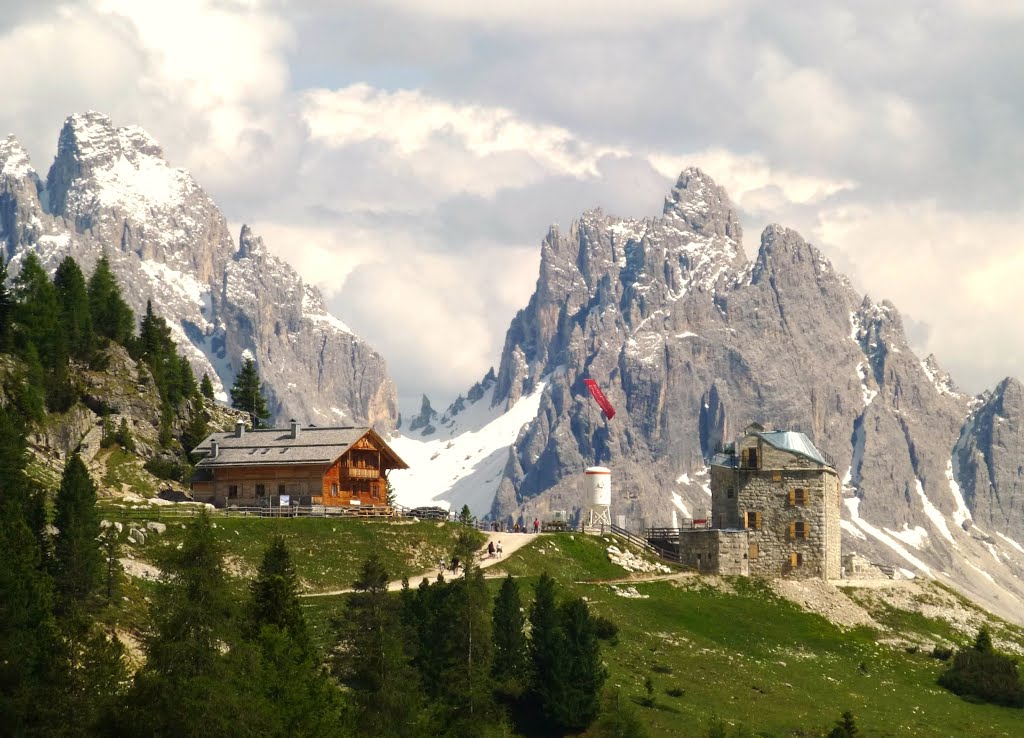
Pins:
<point x="490" y="550"/>
<point x="536" y="525"/>
<point x="499" y="549"/>
<point x="455" y="563"/>
<point x="516" y="528"/>
<point x="441" y="565"/>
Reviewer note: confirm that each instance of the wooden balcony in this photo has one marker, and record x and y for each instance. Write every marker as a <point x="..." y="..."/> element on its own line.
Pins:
<point x="355" y="472"/>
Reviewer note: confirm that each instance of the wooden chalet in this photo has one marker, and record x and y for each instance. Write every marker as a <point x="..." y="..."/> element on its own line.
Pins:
<point x="336" y="467"/>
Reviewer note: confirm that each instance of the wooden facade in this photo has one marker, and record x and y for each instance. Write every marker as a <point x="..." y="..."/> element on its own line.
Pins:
<point x="254" y="468"/>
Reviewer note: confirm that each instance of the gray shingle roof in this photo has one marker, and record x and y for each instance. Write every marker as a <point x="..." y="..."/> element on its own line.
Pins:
<point x="276" y="446"/>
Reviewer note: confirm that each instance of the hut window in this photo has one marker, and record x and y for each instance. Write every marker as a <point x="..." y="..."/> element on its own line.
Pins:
<point x="334" y="489"/>
<point x="729" y="492"/>
<point x="232" y="491"/>
<point x="280" y="489"/>
<point x="261" y="490"/>
<point x="752" y="519"/>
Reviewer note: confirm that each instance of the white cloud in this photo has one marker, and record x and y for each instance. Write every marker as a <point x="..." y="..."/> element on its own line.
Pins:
<point x="577" y="15"/>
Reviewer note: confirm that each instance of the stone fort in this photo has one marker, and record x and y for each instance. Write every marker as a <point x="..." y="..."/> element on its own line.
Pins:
<point x="774" y="510"/>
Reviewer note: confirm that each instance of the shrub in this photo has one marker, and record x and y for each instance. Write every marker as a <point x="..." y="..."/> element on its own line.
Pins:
<point x="162" y="467"/>
<point x="942" y="653"/>
<point x="605" y="629"/>
<point x="984" y="674"/>
<point x="675" y="692"/>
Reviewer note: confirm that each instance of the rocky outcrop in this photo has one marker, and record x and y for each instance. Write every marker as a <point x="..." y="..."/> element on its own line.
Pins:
<point x="109" y="191"/>
<point x="691" y="341"/>
<point x="990" y="461"/>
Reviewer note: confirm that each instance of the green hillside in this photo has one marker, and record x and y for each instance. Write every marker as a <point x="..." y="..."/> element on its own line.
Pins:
<point x="726" y="649"/>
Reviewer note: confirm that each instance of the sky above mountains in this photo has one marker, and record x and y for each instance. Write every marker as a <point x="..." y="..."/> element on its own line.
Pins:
<point x="407" y="156"/>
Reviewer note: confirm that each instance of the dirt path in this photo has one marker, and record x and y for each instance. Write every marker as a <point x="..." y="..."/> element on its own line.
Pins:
<point x="510" y="542"/>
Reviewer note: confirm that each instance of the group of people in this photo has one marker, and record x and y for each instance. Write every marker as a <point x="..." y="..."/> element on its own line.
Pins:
<point x="492" y="549"/>
<point x="499" y="527"/>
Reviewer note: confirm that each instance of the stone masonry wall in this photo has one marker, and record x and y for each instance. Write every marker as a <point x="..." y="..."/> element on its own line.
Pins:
<point x="714" y="551"/>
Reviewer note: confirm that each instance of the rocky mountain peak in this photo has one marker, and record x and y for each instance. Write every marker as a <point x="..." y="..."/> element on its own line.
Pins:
<point x="14" y="161"/>
<point x="249" y="244"/>
<point x="424" y="422"/>
<point x="703" y="206"/>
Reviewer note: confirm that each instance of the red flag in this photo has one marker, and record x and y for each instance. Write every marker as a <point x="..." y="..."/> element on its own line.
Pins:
<point x="609" y="411"/>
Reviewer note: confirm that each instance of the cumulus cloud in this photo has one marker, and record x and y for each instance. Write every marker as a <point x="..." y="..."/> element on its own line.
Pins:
<point x="407" y="156"/>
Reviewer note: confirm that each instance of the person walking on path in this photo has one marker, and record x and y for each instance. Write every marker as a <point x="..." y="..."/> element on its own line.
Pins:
<point x="490" y="550"/>
<point x="516" y="529"/>
<point x="536" y="525"/>
<point x="499" y="549"/>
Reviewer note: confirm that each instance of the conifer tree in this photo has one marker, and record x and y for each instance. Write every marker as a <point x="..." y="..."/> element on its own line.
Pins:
<point x="579" y="698"/>
<point x="547" y="649"/>
<point x="469" y="694"/>
<point x="76" y="313"/>
<point x="509" y="665"/>
<point x="6" y="306"/>
<point x="78" y="559"/>
<point x="206" y="387"/>
<point x="38" y="321"/>
<point x="28" y="390"/>
<point x="111" y="316"/>
<point x="374" y="664"/>
<point x="198" y="427"/>
<point x="246" y="395"/>
<point x="31" y="654"/>
<point x="198" y="672"/>
<point x="275" y="598"/>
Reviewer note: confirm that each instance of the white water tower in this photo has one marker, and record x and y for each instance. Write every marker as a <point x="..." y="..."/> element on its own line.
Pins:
<point x="599" y="485"/>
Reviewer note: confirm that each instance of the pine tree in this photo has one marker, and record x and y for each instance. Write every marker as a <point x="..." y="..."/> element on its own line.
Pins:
<point x="469" y="694"/>
<point x="111" y="316"/>
<point x="304" y="701"/>
<point x="28" y="388"/>
<point x="198" y="427"/>
<point x="547" y="650"/>
<point x="32" y="658"/>
<point x="6" y="306"/>
<point x="275" y="598"/>
<point x="198" y="671"/>
<point x="374" y="664"/>
<point x="38" y="321"/>
<point x="579" y="700"/>
<point x="206" y="387"/>
<point x="76" y="313"/>
<point x="246" y="395"/>
<point x="78" y="559"/>
<point x="509" y="665"/>
<point x="845" y="727"/>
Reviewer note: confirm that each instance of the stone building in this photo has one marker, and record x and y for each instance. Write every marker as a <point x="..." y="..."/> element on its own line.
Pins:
<point x="774" y="510"/>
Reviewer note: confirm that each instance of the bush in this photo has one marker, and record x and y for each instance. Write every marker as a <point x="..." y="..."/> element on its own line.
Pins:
<point x="604" y="628"/>
<point x="162" y="467"/>
<point x="984" y="674"/>
<point x="942" y="653"/>
<point x="675" y="692"/>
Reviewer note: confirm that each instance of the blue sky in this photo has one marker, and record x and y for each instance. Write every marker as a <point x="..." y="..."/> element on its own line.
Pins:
<point x="428" y="144"/>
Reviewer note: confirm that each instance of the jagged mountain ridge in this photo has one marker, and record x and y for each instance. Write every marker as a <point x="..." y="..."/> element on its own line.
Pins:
<point x="691" y="341"/>
<point x="110" y="191"/>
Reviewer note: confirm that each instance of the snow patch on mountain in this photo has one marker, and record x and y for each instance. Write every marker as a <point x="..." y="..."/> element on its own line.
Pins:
<point x="852" y="507"/>
<point x="933" y="513"/>
<point x="462" y="463"/>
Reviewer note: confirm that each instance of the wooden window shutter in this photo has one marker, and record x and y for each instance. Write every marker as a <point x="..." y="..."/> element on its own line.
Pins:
<point x="792" y="497"/>
<point x="757" y="520"/>
<point x="776" y="476"/>
<point x="793" y="561"/>
<point x="792" y="530"/>
<point x="803" y="527"/>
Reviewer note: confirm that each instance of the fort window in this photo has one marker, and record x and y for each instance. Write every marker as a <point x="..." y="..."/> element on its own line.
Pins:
<point x="796" y="560"/>
<point x="261" y="490"/>
<point x="752" y="520"/>
<point x="749" y="458"/>
<point x="730" y="492"/>
<point x="798" y="529"/>
<point x="753" y="551"/>
<point x="232" y="491"/>
<point x="776" y="476"/>
<point x="798" y="497"/>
